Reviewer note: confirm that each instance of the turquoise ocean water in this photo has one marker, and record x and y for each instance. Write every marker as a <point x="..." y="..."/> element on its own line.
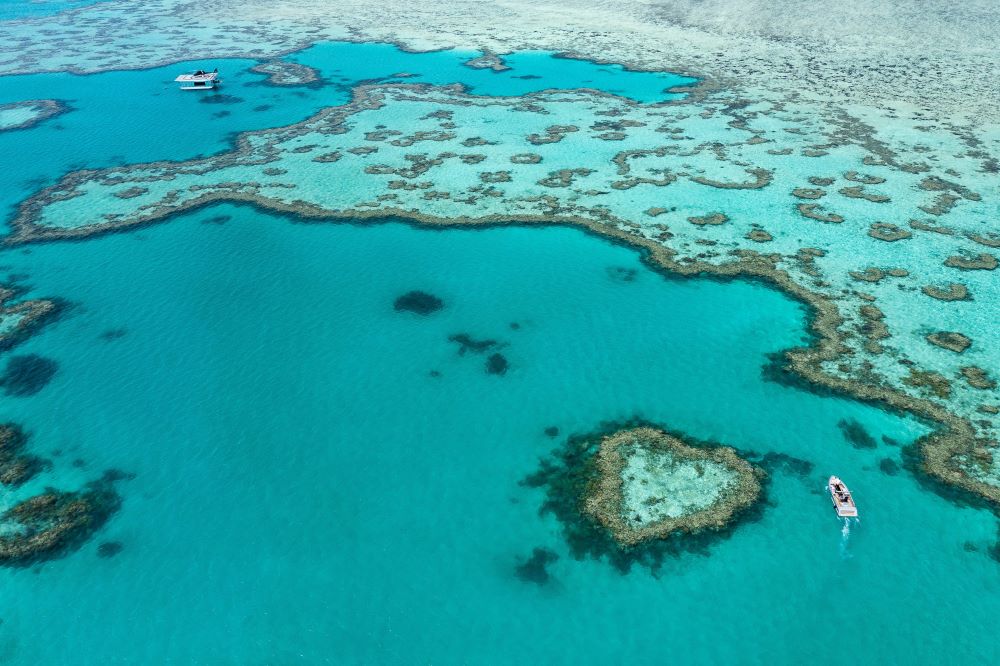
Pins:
<point x="307" y="492"/>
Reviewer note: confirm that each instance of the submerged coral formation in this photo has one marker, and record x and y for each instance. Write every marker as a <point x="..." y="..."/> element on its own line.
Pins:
<point x="287" y="73"/>
<point x="18" y="321"/>
<point x="27" y="114"/>
<point x="651" y="484"/>
<point x="418" y="302"/>
<point x="16" y="466"/>
<point x="42" y="526"/>
<point x="633" y="494"/>
<point x="27" y="375"/>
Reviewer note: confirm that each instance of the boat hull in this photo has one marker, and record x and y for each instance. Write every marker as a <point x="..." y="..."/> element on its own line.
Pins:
<point x="843" y="501"/>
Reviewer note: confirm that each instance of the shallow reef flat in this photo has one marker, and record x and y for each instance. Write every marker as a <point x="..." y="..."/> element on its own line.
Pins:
<point x="28" y="113"/>
<point x="19" y="319"/>
<point x="887" y="232"/>
<point x="651" y="485"/>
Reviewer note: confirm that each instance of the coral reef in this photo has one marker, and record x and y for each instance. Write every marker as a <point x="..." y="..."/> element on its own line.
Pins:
<point x="467" y="343"/>
<point x="650" y="485"/>
<point x="535" y="569"/>
<point x="575" y="481"/>
<point x="109" y="549"/>
<point x="16" y="467"/>
<point x="488" y="60"/>
<point x="418" y="302"/>
<point x="856" y="435"/>
<point x="27" y="375"/>
<point x="286" y="73"/>
<point x="710" y="219"/>
<point x="21" y="320"/>
<point x="950" y="340"/>
<point x="497" y="364"/>
<point x="661" y="164"/>
<point x="54" y="522"/>
<point x="26" y="114"/>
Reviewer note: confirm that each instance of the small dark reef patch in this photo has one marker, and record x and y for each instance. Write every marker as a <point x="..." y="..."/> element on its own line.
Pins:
<point x="109" y="549"/>
<point x="419" y="302"/>
<point x="856" y="435"/>
<point x="535" y="569"/>
<point x="27" y="375"/>
<point x="497" y="364"/>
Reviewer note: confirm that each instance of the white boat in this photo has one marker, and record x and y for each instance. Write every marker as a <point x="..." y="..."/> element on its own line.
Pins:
<point x="842" y="500"/>
<point x="199" y="80"/>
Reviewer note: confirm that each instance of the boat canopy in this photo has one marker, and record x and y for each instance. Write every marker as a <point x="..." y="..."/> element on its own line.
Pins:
<point x="198" y="75"/>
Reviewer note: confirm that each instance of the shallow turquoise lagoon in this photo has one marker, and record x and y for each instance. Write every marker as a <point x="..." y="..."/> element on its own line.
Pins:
<point x="306" y="490"/>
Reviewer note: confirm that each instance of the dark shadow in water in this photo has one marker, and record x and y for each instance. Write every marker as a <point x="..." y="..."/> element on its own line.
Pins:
<point x="221" y="98"/>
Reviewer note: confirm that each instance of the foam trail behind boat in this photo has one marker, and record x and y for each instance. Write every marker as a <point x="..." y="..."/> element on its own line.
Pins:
<point x="845" y="536"/>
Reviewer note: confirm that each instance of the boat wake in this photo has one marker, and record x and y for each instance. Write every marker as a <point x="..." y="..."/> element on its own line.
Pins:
<point x="845" y="536"/>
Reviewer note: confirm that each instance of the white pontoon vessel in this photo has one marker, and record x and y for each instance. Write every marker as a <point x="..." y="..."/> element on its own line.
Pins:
<point x="199" y="80"/>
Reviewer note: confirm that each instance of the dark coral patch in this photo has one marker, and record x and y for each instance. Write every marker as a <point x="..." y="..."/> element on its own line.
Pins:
<point x="51" y="524"/>
<point x="114" y="475"/>
<point x="535" y="568"/>
<point x="774" y="461"/>
<point x="27" y="375"/>
<point x="497" y="364"/>
<point x="856" y="435"/>
<point x="16" y="467"/>
<point x="418" y="302"/>
<point x="466" y="343"/>
<point x="109" y="549"/>
<point x="622" y="273"/>
<point x="113" y="334"/>
<point x="889" y="466"/>
<point x="552" y="431"/>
